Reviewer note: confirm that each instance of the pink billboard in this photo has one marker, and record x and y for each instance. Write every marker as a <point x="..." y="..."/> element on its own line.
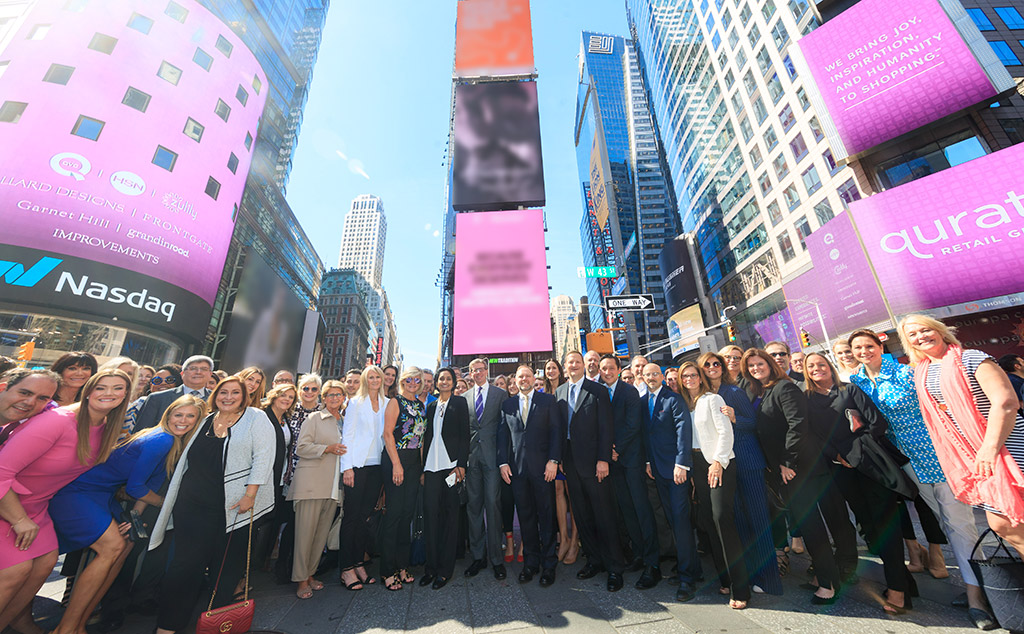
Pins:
<point x="501" y="283"/>
<point x="952" y="237"/>
<point x="885" y="68"/>
<point x="127" y="131"/>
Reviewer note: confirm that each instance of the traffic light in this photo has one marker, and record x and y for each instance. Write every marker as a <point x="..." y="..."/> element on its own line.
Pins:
<point x="25" y="351"/>
<point x="730" y="331"/>
<point x="805" y="339"/>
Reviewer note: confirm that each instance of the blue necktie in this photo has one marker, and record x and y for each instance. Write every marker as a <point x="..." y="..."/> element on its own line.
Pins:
<point x="479" y="403"/>
<point x="611" y="393"/>
<point x="650" y="405"/>
<point x="572" y="402"/>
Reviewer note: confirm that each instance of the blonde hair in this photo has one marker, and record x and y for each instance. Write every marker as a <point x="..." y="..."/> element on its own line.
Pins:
<point x="364" y="382"/>
<point x="947" y="333"/>
<point x="727" y="349"/>
<point x="312" y="377"/>
<point x="114" y="418"/>
<point x="164" y="425"/>
<point x="277" y="391"/>
<point x="333" y="384"/>
<point x="117" y="362"/>
<point x="412" y="372"/>
<point x="705" y="385"/>
<point x="257" y="395"/>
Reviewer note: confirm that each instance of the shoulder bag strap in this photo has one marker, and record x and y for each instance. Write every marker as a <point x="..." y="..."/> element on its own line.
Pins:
<point x="223" y="560"/>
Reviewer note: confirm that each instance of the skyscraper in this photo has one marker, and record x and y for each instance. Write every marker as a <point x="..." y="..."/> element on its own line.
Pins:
<point x="363" y="238"/>
<point x="565" y="328"/>
<point x="350" y="333"/>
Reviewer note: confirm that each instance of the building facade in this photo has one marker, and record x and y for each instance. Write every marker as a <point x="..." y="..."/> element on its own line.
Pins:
<point x="363" y="238"/>
<point x="565" y="326"/>
<point x="351" y="336"/>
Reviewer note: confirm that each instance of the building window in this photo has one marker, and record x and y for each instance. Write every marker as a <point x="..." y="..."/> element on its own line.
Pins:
<point x="256" y="84"/>
<point x="224" y="46"/>
<point x="755" y="155"/>
<point x="248" y="141"/>
<point x="10" y="111"/>
<point x="848" y="193"/>
<point x="764" y="60"/>
<point x="816" y="129"/>
<point x="774" y="213"/>
<point x="212" y="188"/>
<point x="1014" y="129"/>
<point x="1010" y="17"/>
<point x="981" y="20"/>
<point x="748" y="83"/>
<point x="781" y="169"/>
<point x="242" y="96"/>
<point x="769" y="137"/>
<point x="135" y="98"/>
<point x="194" y="130"/>
<point x="775" y="88"/>
<point x="759" y="110"/>
<point x="830" y="161"/>
<point x="165" y="158"/>
<point x="716" y="41"/>
<point x="88" y="128"/>
<point x="768" y="10"/>
<point x="787" y="118"/>
<point x="786" y="246"/>
<point x="140" y="23"/>
<point x="1004" y="53"/>
<point x="59" y="74"/>
<point x="233" y="163"/>
<point x="38" y="31"/>
<point x="780" y="34"/>
<point x="202" y="58"/>
<point x="103" y="43"/>
<point x="222" y="110"/>
<point x="787" y="63"/>
<point x="823" y="212"/>
<point x="803" y="229"/>
<point x="169" y="72"/>
<point x="792" y="197"/>
<point x="934" y="157"/>
<point x="801" y="96"/>
<point x="798" y="147"/>
<point x="745" y="129"/>
<point x="176" y="11"/>
<point x="811" y="180"/>
<point x="765" y="182"/>
<point x="737" y="102"/>
<point x="734" y="38"/>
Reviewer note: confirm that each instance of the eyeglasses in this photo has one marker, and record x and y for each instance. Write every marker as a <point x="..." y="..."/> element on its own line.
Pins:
<point x="310" y="389"/>
<point x="413" y="381"/>
<point x="712" y="364"/>
<point x="778" y="354"/>
<point x="157" y="380"/>
<point x="690" y="377"/>
<point x="334" y="395"/>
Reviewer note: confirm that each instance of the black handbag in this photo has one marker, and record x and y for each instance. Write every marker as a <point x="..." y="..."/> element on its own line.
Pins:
<point x="1001" y="577"/>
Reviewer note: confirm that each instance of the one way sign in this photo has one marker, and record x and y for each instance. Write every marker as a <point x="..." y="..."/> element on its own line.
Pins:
<point x="629" y="302"/>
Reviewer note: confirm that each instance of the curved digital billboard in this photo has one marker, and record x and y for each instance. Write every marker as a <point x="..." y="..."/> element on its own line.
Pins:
<point x="127" y="131"/>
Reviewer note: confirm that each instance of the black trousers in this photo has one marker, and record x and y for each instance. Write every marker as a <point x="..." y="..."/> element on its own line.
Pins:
<point x="400" y="501"/>
<point x="630" y="487"/>
<point x="360" y="499"/>
<point x="535" y="502"/>
<point x="286" y="548"/>
<point x="593" y="507"/>
<point x="440" y="523"/>
<point x="832" y="504"/>
<point x="801" y="497"/>
<point x="878" y="514"/>
<point x="716" y="515"/>
<point x="200" y="545"/>
<point x="933" y="533"/>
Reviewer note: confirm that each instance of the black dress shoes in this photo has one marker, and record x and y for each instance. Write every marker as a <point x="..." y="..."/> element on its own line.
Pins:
<point x="684" y="593"/>
<point x="426" y="579"/>
<point x="475" y="567"/>
<point x="588" y="571"/>
<point x="547" y="577"/>
<point x="499" y="572"/>
<point x="438" y="583"/>
<point x="650" y="578"/>
<point x="526" y="576"/>
<point x="614" y="581"/>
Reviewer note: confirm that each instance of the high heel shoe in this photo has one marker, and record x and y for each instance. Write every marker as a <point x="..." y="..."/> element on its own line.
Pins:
<point x="509" y="548"/>
<point x="572" y="554"/>
<point x="922" y="558"/>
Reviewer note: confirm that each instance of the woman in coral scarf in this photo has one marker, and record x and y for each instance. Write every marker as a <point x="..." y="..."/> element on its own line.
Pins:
<point x="971" y="413"/>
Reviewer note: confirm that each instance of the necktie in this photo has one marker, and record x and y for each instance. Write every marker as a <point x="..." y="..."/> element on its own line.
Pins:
<point x="611" y="393"/>
<point x="479" y="403"/>
<point x="572" y="406"/>
<point x="8" y="429"/>
<point x="650" y="405"/>
<point x="526" y="409"/>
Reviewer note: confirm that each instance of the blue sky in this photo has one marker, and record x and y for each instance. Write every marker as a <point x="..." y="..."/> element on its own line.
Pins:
<point x="380" y="96"/>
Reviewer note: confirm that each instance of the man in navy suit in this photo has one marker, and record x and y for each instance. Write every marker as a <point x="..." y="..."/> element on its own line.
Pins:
<point x="195" y="376"/>
<point x="529" y="451"/>
<point x="590" y="434"/>
<point x="627" y="473"/>
<point x="669" y="440"/>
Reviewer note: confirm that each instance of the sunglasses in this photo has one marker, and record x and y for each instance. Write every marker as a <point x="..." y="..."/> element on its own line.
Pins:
<point x="334" y="395"/>
<point x="712" y="364"/>
<point x="310" y="389"/>
<point x="413" y="381"/>
<point x="778" y="354"/>
<point x="157" y="380"/>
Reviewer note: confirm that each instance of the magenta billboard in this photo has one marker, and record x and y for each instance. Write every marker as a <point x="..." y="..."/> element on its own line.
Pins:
<point x="127" y="131"/>
<point x="501" y="283"/>
<point x="952" y="237"/>
<point x="883" y="68"/>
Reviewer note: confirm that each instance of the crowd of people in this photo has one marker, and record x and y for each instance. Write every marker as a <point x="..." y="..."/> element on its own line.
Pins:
<point x="160" y="485"/>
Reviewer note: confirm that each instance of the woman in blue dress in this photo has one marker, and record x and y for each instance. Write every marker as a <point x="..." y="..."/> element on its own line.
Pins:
<point x="86" y="513"/>
<point x="752" y="518"/>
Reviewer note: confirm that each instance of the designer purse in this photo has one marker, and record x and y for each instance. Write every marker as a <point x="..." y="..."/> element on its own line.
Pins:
<point x="237" y="617"/>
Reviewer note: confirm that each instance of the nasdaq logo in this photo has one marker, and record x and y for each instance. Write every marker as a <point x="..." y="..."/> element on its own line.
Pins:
<point x="14" y="273"/>
<point x="600" y="44"/>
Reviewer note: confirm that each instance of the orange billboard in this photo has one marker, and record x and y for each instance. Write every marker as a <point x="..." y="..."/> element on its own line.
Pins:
<point x="493" y="38"/>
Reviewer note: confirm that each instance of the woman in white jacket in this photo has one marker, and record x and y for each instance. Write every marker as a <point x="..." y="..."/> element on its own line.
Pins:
<point x="360" y="473"/>
<point x="715" y="482"/>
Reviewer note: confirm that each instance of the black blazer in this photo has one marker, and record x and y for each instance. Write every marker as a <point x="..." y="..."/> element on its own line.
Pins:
<point x="281" y="449"/>
<point x="629" y="432"/>
<point x="528" y="447"/>
<point x="455" y="430"/>
<point x="782" y="427"/>
<point x="591" y="427"/>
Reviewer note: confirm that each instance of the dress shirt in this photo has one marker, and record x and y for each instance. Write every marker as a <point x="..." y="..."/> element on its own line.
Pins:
<point x="642" y="389"/>
<point x="437" y="457"/>
<point x="575" y="388"/>
<point x="611" y="389"/>
<point x="482" y="389"/>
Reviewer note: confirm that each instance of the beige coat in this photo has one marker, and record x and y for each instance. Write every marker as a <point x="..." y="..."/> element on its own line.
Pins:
<point x="316" y="475"/>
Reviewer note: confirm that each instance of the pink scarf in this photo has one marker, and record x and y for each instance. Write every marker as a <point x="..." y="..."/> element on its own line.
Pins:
<point x="957" y="451"/>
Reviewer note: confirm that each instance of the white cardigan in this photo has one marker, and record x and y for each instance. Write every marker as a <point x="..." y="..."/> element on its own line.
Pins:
<point x="362" y="432"/>
<point x="714" y="429"/>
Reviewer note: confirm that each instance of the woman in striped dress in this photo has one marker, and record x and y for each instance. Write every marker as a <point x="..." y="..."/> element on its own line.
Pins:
<point x="971" y="412"/>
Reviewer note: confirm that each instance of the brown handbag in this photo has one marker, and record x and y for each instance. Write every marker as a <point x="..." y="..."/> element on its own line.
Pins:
<point x="237" y="617"/>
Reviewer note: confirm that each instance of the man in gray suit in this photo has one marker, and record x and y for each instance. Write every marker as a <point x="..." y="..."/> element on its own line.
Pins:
<point x="195" y="375"/>
<point x="482" y="478"/>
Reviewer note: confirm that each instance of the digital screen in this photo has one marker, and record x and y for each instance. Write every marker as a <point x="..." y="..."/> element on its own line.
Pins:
<point x="497" y="163"/>
<point x="133" y="154"/>
<point x="684" y="329"/>
<point x="501" y="283"/>
<point x="493" y="38"/>
<point x="677" y="274"/>
<point x="885" y="68"/>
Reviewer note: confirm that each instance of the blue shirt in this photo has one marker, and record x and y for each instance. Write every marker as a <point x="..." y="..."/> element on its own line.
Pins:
<point x="894" y="392"/>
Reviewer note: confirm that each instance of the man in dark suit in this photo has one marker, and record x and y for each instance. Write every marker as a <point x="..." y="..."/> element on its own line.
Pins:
<point x="195" y="376"/>
<point x="529" y="452"/>
<point x="669" y="440"/>
<point x="587" y="456"/>
<point x="627" y="471"/>
<point x="482" y="483"/>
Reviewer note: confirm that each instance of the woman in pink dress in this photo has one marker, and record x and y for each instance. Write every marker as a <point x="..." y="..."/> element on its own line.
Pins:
<point x="53" y="449"/>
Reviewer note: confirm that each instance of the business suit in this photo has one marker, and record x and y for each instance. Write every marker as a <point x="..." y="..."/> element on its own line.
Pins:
<point x="483" y="482"/>
<point x="155" y="405"/>
<point x="315" y="491"/>
<point x="440" y="501"/>
<point x="590" y="434"/>
<point x="527" y="447"/>
<point x="629" y="479"/>
<point x="668" y="437"/>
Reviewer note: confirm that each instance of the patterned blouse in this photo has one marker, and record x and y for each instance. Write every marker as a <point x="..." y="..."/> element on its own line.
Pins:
<point x="411" y="423"/>
<point x="295" y="425"/>
<point x="894" y="392"/>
